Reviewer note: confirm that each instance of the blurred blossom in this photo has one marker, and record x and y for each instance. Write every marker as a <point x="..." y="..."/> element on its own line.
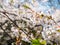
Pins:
<point x="37" y="13"/>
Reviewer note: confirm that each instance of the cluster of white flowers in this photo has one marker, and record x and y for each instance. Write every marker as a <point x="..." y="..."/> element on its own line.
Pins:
<point x="32" y="15"/>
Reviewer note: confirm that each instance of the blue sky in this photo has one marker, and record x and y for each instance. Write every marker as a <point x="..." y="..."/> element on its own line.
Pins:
<point x="44" y="6"/>
<point x="47" y="5"/>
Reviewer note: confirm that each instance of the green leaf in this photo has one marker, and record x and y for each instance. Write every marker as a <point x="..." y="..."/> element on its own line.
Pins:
<point x="25" y="6"/>
<point x="58" y="30"/>
<point x="36" y="42"/>
<point x="43" y="42"/>
<point x="1" y="6"/>
<point x="11" y="1"/>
